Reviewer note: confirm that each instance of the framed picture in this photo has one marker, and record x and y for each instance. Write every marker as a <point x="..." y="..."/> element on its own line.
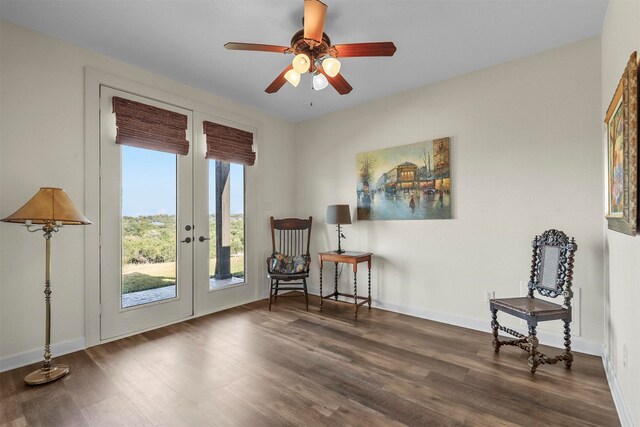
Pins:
<point x="622" y="153"/>
<point x="407" y="182"/>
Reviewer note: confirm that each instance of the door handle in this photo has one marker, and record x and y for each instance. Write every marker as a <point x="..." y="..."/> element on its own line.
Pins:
<point x="202" y="238"/>
<point x="187" y="240"/>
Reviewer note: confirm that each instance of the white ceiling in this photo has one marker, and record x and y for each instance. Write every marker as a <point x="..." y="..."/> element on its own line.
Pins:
<point x="436" y="40"/>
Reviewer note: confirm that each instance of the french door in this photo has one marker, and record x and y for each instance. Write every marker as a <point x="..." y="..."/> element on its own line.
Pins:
<point x="146" y="229"/>
<point x="172" y="228"/>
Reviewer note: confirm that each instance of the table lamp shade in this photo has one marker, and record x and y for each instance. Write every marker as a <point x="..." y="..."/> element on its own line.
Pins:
<point x="49" y="205"/>
<point x="338" y="214"/>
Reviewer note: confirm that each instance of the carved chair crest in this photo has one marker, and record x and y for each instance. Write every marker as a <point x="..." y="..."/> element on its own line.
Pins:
<point x="550" y="269"/>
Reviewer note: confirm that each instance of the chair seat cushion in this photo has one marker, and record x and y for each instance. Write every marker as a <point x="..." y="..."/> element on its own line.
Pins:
<point x="529" y="306"/>
<point x="288" y="276"/>
<point x="283" y="264"/>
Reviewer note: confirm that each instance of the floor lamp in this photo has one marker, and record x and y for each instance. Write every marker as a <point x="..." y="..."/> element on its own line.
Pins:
<point x="50" y="209"/>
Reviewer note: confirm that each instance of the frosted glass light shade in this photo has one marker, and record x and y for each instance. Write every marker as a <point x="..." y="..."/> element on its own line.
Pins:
<point x="331" y="66"/>
<point x="293" y="77"/>
<point x="320" y="81"/>
<point x="301" y="63"/>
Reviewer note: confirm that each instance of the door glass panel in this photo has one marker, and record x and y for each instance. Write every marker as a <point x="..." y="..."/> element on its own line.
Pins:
<point x="226" y="224"/>
<point x="148" y="226"/>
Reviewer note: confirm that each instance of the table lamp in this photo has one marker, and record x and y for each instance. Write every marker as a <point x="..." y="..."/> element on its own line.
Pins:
<point x="50" y="208"/>
<point x="340" y="215"/>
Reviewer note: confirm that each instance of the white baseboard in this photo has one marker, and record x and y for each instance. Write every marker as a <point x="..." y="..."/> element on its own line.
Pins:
<point x="578" y="344"/>
<point x="58" y="349"/>
<point x="616" y="391"/>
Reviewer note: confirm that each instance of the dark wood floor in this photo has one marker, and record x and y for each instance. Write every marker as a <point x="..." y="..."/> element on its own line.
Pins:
<point x="251" y="367"/>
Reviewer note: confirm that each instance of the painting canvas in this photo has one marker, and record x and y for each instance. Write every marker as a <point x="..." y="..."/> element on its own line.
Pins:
<point x="407" y="182"/>
<point x="616" y="162"/>
<point x="621" y="123"/>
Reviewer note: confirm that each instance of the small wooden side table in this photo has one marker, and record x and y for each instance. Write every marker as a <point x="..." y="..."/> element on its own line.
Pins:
<point x="353" y="258"/>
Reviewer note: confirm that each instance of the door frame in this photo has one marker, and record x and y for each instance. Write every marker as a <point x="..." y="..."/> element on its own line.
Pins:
<point x="254" y="195"/>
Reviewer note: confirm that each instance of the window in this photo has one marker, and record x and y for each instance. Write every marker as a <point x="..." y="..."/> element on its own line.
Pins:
<point x="150" y="138"/>
<point x="226" y="224"/>
<point x="229" y="150"/>
<point x="148" y="226"/>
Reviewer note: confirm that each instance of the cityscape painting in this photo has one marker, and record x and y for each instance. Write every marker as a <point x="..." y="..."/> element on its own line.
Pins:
<point x="407" y="182"/>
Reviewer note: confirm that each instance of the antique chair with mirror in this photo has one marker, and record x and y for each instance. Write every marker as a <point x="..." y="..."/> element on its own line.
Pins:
<point x="551" y="276"/>
<point x="290" y="258"/>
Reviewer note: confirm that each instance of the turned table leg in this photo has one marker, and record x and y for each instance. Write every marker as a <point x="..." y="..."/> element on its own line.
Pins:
<point x="369" y="283"/>
<point x="321" y="299"/>
<point x="355" y="292"/>
<point x="335" y="282"/>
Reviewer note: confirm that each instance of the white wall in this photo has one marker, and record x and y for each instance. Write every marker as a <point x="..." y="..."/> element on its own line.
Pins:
<point x="43" y="144"/>
<point x="525" y="156"/>
<point x="620" y="37"/>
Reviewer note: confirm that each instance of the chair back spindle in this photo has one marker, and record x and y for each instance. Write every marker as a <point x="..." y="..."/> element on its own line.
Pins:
<point x="291" y="236"/>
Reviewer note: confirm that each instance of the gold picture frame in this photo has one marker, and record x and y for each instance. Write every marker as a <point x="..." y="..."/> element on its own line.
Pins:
<point x="621" y="123"/>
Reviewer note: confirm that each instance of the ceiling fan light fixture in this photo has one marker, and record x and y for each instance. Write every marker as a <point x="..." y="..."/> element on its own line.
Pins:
<point x="320" y="81"/>
<point x="293" y="77"/>
<point x="301" y="63"/>
<point x="331" y="66"/>
<point x="313" y="53"/>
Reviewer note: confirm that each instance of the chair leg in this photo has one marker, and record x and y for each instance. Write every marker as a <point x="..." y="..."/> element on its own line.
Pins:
<point x="534" y="359"/>
<point x="306" y="295"/>
<point x="568" y="356"/>
<point x="494" y="327"/>
<point x="275" y="295"/>
<point x="270" y="293"/>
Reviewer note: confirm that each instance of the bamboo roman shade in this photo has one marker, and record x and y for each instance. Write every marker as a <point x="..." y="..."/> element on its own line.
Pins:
<point x="229" y="144"/>
<point x="141" y="125"/>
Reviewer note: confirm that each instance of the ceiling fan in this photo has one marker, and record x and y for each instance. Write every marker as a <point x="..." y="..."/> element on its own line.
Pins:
<point x="315" y="54"/>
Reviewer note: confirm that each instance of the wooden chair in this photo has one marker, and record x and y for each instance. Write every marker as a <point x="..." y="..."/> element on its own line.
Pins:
<point x="551" y="276"/>
<point x="290" y="258"/>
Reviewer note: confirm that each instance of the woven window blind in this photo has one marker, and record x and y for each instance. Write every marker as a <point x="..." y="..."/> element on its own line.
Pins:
<point x="229" y="144"/>
<point x="141" y="125"/>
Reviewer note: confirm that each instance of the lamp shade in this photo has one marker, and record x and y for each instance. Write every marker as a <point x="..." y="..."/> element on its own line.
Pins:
<point x="338" y="214"/>
<point x="49" y="205"/>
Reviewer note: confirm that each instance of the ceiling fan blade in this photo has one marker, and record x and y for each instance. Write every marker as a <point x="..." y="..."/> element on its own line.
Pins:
<point x="315" y="13"/>
<point x="279" y="81"/>
<point x="257" y="47"/>
<point x="338" y="82"/>
<point x="365" y="49"/>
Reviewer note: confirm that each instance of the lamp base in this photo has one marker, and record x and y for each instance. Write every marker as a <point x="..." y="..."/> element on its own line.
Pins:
<point x="43" y="376"/>
<point x="340" y="251"/>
